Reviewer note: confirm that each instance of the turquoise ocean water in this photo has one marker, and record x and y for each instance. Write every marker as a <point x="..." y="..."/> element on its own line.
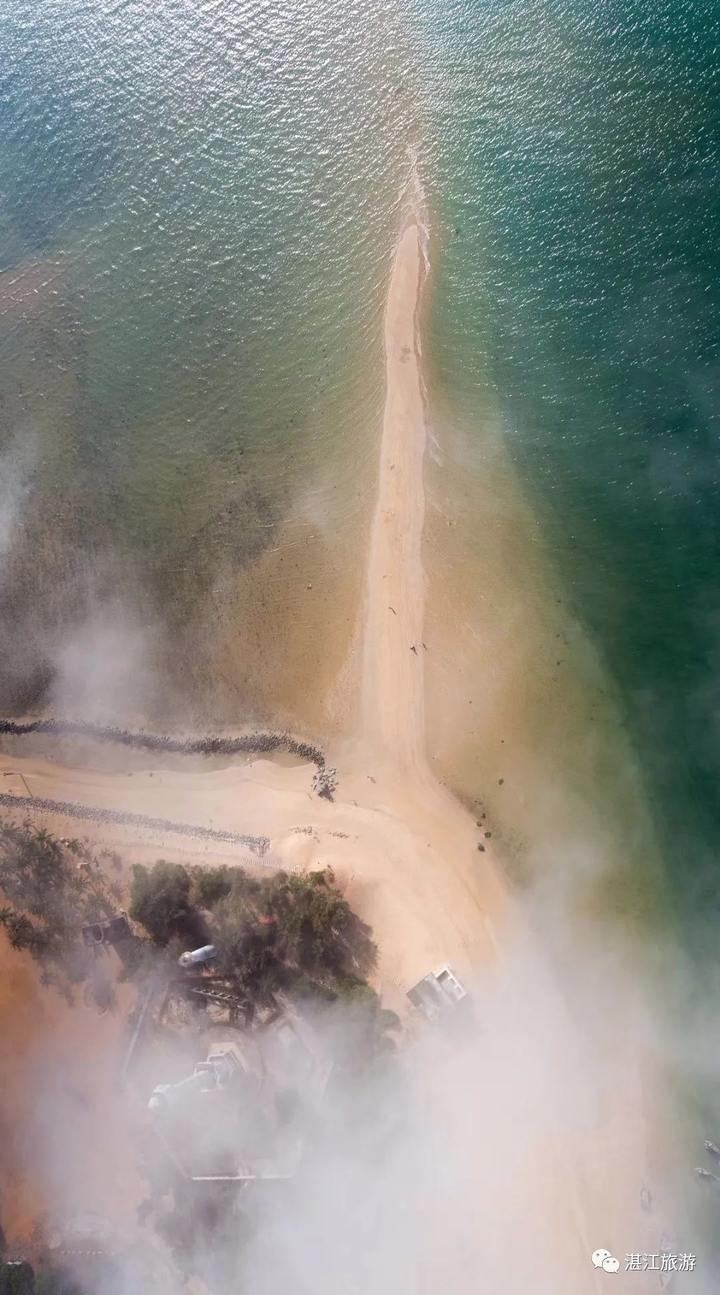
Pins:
<point x="198" y="202"/>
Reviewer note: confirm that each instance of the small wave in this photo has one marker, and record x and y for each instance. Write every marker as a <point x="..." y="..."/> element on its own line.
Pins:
<point x="413" y="195"/>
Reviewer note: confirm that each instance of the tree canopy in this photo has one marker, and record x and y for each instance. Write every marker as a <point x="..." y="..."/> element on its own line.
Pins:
<point x="20" y="1279"/>
<point x="50" y="889"/>
<point x="282" y="930"/>
<point x="160" y="901"/>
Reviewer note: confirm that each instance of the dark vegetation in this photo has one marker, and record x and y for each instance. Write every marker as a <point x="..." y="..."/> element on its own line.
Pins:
<point x="48" y="890"/>
<point x="20" y="1279"/>
<point x="284" y="932"/>
<point x="161" y="902"/>
<point x="283" y="936"/>
<point x="280" y="938"/>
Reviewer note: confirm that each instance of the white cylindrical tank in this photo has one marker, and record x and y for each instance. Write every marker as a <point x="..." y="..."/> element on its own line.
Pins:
<point x="191" y="959"/>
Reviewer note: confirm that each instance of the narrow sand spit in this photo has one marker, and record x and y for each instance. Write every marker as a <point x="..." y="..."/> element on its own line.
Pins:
<point x="393" y="703"/>
<point x="407" y="853"/>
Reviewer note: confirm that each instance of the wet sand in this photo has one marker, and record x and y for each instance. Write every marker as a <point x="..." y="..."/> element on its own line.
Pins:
<point x="403" y="848"/>
<point x="393" y="689"/>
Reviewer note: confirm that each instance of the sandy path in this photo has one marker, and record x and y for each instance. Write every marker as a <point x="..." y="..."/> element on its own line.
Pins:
<point x="393" y="707"/>
<point x="403" y="847"/>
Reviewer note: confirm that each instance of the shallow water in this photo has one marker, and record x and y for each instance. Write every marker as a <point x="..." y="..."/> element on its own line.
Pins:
<point x="199" y="203"/>
<point x="575" y="158"/>
<point x="573" y="352"/>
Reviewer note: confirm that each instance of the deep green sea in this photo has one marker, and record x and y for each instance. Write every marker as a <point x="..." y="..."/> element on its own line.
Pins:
<point x="576" y="169"/>
<point x="198" y="201"/>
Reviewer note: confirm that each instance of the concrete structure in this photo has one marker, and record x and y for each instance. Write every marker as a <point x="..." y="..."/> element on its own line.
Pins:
<point x="436" y="994"/>
<point x="223" y="1067"/>
<point x="112" y="930"/>
<point x="244" y="1113"/>
<point x="450" y="985"/>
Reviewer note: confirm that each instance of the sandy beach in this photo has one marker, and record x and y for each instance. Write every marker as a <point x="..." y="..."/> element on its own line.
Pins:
<point x="406" y="853"/>
<point x="393" y="701"/>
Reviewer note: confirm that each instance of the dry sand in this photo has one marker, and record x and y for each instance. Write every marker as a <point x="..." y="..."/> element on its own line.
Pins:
<point x="58" y="1079"/>
<point x="393" y="701"/>
<point x="402" y="846"/>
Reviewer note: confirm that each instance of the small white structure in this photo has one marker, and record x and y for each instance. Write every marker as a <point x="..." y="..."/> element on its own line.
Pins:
<point x="450" y="984"/>
<point x="224" y="1065"/>
<point x="247" y="1110"/>
<point x="435" y="994"/>
<point x="197" y="956"/>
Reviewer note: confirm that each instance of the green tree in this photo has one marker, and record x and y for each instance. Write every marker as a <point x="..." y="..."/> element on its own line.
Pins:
<point x="160" y="901"/>
<point x="317" y="929"/>
<point x="17" y="1279"/>
<point x="55" y="1281"/>
<point x="360" y="1028"/>
<point x="48" y="897"/>
<point x="246" y="942"/>
<point x="289" y="930"/>
<point x="209" y="885"/>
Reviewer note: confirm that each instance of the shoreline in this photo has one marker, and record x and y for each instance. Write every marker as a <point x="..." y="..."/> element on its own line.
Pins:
<point x="393" y="676"/>
<point x="404" y="850"/>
